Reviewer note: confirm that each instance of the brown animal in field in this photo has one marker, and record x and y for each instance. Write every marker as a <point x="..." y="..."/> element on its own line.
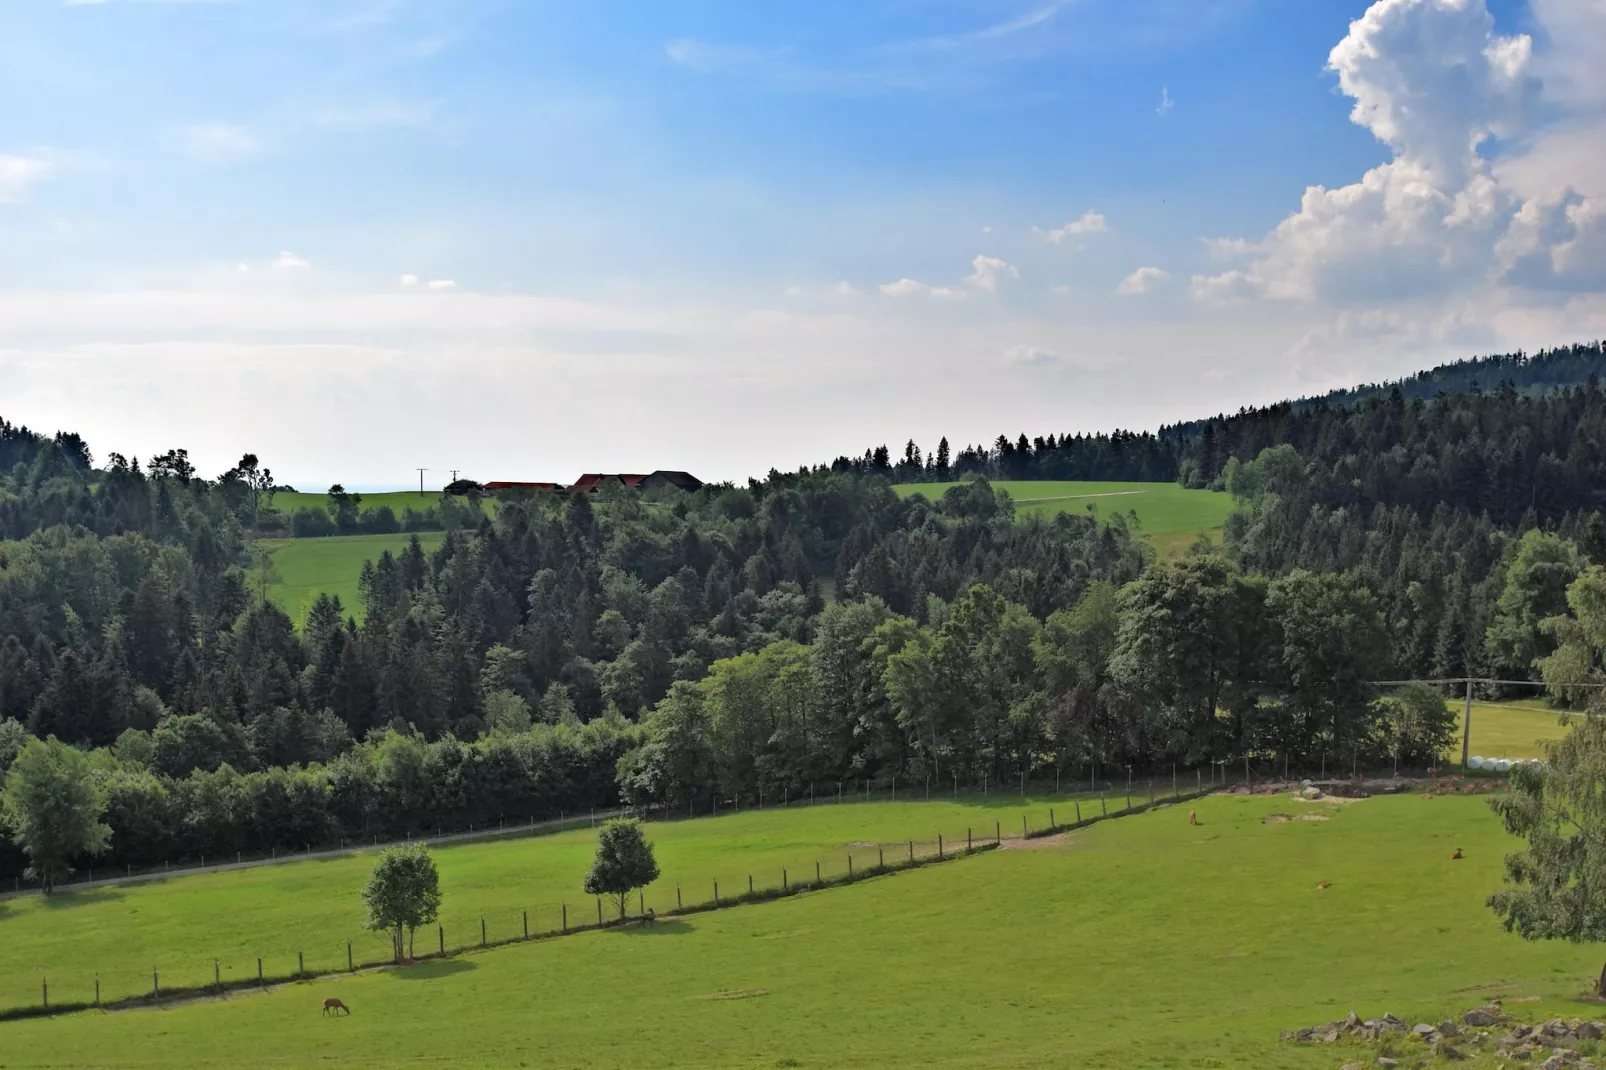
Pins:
<point x="649" y="917"/>
<point x="1322" y="884"/>
<point x="1193" y="817"/>
<point x="334" y="1006"/>
<point x="1427" y="795"/>
<point x="1456" y="855"/>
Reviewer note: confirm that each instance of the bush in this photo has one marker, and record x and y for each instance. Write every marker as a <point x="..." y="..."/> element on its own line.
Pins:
<point x="309" y="523"/>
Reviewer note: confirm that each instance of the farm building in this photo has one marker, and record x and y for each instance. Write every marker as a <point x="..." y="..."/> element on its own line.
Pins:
<point x="592" y="482"/>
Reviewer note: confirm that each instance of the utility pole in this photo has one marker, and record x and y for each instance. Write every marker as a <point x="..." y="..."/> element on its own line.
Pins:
<point x="421" y="482"/>
<point x="1466" y="727"/>
<point x="454" y="475"/>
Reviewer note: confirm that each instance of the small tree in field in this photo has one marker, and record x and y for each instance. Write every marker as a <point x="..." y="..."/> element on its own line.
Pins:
<point x="624" y="863"/>
<point x="403" y="892"/>
<point x="1560" y="880"/>
<point x="53" y="807"/>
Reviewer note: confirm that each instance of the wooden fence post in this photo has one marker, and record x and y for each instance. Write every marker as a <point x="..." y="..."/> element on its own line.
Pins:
<point x="217" y="975"/>
<point x="301" y="963"/>
<point x="1023" y="826"/>
<point x="482" y="930"/>
<point x="440" y="933"/>
<point x="880" y="858"/>
<point x="716" y="893"/>
<point x="259" y="970"/>
<point x="749" y="884"/>
<point x="816" y="872"/>
<point x="156" y="985"/>
<point x="998" y="832"/>
<point x="850" y="867"/>
<point x="1078" y="811"/>
<point x="784" y="886"/>
<point x="351" y="966"/>
<point x="97" y="990"/>
<point x="911" y="852"/>
<point x="939" y="844"/>
<point x="599" y="910"/>
<point x="526" y="924"/>
<point x="1051" y="825"/>
<point x="641" y="903"/>
<point x="44" y="988"/>
<point x="967" y="841"/>
<point x="1103" y="805"/>
<point x="565" y="917"/>
<point x="677" y="895"/>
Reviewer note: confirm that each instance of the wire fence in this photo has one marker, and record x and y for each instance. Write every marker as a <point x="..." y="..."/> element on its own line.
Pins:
<point x="125" y="985"/>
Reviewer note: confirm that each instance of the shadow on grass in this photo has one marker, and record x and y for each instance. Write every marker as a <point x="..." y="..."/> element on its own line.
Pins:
<point x="662" y="927"/>
<point x="429" y="971"/>
<point x="67" y="899"/>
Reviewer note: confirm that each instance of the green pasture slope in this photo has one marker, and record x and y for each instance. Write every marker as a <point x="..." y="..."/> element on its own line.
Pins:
<point x="1172" y="517"/>
<point x="398" y="500"/>
<point x="310" y="567"/>
<point x="1508" y="729"/>
<point x="1144" y="942"/>
<point x="180" y="925"/>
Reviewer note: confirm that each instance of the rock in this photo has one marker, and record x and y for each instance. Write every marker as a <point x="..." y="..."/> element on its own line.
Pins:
<point x="1479" y="1017"/>
<point x="1354" y="1066"/>
<point x="1554" y="1028"/>
<point x="1422" y="1030"/>
<point x="1447" y="1029"/>
<point x="1590" y="1030"/>
<point x="1330" y="1036"/>
<point x="1449" y="1052"/>
<point x="1386" y="1063"/>
<point x="1560" y="1059"/>
<point x="1352" y="1022"/>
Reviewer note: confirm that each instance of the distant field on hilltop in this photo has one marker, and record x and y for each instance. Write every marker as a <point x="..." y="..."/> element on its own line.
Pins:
<point x="1171" y="516"/>
<point x="310" y="567"/>
<point x="398" y="500"/>
<point x="1144" y="942"/>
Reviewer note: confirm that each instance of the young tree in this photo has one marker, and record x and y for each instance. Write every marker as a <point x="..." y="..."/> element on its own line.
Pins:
<point x="403" y="893"/>
<point x="1557" y="886"/>
<point x="53" y="808"/>
<point x="624" y="863"/>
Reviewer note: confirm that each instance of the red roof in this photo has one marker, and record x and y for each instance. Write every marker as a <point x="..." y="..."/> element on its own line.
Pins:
<point x="507" y="484"/>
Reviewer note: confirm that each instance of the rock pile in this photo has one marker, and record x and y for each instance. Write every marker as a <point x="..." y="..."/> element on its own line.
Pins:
<point x="1553" y="1045"/>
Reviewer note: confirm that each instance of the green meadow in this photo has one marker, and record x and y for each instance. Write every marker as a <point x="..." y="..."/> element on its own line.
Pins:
<point x="1139" y="943"/>
<point x="179" y="926"/>
<point x="1508" y="729"/>
<point x="1171" y="516"/>
<point x="398" y="500"/>
<point x="310" y="567"/>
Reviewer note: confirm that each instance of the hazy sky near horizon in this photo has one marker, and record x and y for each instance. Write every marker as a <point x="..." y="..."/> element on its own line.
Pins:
<point x="531" y="238"/>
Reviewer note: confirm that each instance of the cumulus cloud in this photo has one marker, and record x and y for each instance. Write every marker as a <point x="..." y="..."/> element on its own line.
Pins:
<point x="289" y="261"/>
<point x="985" y="275"/>
<point x="1434" y="82"/>
<point x="986" y="271"/>
<point x="409" y="280"/>
<point x="844" y="289"/>
<point x="1142" y="281"/>
<point x="1028" y="356"/>
<point x="1090" y="223"/>
<point x="18" y="175"/>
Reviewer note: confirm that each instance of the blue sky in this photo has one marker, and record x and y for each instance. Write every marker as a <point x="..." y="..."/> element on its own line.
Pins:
<point x="525" y="239"/>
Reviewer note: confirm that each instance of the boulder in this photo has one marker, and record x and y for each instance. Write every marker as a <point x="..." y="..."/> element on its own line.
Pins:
<point x="1447" y="1029"/>
<point x="1422" y="1030"/>
<point x="1352" y="1022"/>
<point x="1590" y="1030"/>
<point x="1481" y="1016"/>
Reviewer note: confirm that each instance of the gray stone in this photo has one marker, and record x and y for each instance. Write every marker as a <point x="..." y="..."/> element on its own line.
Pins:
<point x="1590" y="1030"/>
<point x="1448" y="1029"/>
<point x="1422" y="1030"/>
<point x="1478" y="1017"/>
<point x="1386" y="1063"/>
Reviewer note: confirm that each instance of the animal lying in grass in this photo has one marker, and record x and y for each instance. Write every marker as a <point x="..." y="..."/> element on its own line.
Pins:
<point x="1456" y="855"/>
<point x="334" y="1006"/>
<point x="1193" y="817"/>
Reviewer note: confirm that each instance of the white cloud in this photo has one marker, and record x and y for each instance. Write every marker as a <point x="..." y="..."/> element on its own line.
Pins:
<point x="903" y="288"/>
<point x="243" y="268"/>
<point x="844" y="289"/>
<point x="793" y="291"/>
<point x="409" y="280"/>
<point x="1090" y="223"/>
<point x="441" y="285"/>
<point x="1435" y="82"/>
<point x="986" y="271"/>
<point x="289" y="261"/>
<point x="1166" y="103"/>
<point x="1142" y="281"/>
<point x="1040" y="357"/>
<point x="220" y="142"/>
<point x="18" y="175"/>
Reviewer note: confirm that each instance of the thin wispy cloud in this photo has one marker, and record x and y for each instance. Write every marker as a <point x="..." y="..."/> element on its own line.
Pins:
<point x="1008" y="28"/>
<point x="1166" y="103"/>
<point x="18" y="174"/>
<point x="1091" y="222"/>
<point x="220" y="141"/>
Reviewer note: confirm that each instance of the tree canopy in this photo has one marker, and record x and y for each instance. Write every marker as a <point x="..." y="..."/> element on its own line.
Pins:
<point x="624" y="862"/>
<point x="402" y="894"/>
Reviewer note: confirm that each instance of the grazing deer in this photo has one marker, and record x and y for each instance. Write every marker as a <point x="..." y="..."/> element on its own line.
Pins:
<point x="1193" y="817"/>
<point x="334" y="1006"/>
<point x="649" y="917"/>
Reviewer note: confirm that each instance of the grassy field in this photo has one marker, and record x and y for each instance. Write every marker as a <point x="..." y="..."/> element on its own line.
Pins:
<point x="1141" y="943"/>
<point x="1507" y="730"/>
<point x="179" y="926"/>
<point x="310" y="567"/>
<point x="398" y="500"/>
<point x="1171" y="516"/>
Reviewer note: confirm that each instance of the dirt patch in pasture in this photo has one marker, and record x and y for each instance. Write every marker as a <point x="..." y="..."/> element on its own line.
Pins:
<point x="861" y="843"/>
<point x="1276" y="819"/>
<point x="1331" y="800"/>
<point x="738" y="993"/>
<point x="1038" y="843"/>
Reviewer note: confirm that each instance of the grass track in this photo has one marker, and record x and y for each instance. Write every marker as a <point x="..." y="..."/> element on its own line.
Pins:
<point x="1143" y="943"/>
<point x="310" y="567"/>
<point x="180" y="926"/>
<point x="1172" y="517"/>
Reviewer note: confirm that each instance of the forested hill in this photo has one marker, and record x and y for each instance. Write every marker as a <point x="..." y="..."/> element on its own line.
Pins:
<point x="1464" y="407"/>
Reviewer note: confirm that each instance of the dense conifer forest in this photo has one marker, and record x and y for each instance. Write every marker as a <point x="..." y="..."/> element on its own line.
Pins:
<point x="669" y="648"/>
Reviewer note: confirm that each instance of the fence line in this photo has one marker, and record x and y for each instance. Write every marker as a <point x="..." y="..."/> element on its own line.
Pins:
<point x="860" y="865"/>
